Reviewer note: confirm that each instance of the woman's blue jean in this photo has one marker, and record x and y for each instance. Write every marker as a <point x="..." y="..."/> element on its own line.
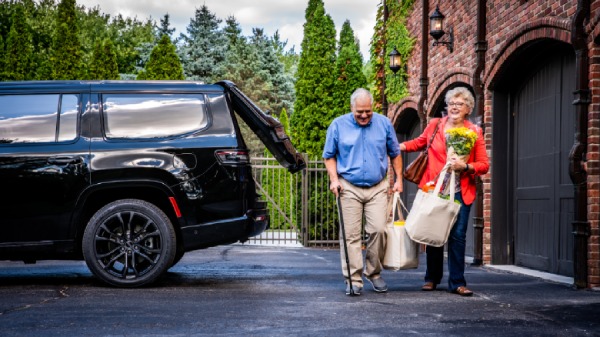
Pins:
<point x="456" y="252"/>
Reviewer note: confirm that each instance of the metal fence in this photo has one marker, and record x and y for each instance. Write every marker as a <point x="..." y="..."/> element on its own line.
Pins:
<point x="302" y="210"/>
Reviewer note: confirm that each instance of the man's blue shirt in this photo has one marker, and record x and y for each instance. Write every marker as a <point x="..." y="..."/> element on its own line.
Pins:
<point x="361" y="151"/>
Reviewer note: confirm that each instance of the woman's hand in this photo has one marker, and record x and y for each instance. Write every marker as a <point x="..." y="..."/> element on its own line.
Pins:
<point x="457" y="164"/>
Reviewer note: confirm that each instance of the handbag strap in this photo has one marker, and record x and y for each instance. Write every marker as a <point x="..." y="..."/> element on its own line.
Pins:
<point x="432" y="136"/>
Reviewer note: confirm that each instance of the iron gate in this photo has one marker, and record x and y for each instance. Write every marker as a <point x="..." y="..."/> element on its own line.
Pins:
<point x="302" y="210"/>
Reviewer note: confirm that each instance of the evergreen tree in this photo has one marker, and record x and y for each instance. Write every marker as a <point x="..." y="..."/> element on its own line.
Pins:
<point x="164" y="63"/>
<point x="313" y="108"/>
<point x="278" y="91"/>
<point x="42" y="21"/>
<point x="104" y="62"/>
<point x="288" y="58"/>
<point x="232" y="30"/>
<point x="128" y="35"/>
<point x="348" y="70"/>
<point x="2" y="67"/>
<point x="204" y="47"/>
<point x="19" y="49"/>
<point x="67" y="53"/>
<point x="165" y="27"/>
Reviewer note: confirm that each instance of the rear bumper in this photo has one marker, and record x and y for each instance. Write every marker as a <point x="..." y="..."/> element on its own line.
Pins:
<point x="226" y="231"/>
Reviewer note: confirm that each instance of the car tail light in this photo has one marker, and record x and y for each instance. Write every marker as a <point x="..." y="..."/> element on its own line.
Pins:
<point x="233" y="157"/>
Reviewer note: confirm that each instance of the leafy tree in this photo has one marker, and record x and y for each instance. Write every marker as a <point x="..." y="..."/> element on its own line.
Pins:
<point x="104" y="62"/>
<point x="66" y="49"/>
<point x="164" y="63"/>
<point x="313" y="108"/>
<point x="19" y="50"/>
<point x="204" y="47"/>
<point x="348" y="70"/>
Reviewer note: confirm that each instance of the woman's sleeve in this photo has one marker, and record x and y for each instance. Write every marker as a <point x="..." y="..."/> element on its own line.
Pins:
<point x="420" y="142"/>
<point x="480" y="163"/>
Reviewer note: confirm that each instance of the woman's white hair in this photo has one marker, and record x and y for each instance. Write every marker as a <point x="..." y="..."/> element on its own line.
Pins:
<point x="463" y="93"/>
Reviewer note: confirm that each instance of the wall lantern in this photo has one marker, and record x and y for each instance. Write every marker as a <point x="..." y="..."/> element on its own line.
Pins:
<point x="436" y="31"/>
<point x="395" y="60"/>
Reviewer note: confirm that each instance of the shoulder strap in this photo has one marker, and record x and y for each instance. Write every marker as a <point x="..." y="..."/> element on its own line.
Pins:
<point x="433" y="135"/>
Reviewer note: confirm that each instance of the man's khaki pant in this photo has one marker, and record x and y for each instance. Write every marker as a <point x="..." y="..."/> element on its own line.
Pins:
<point x="370" y="202"/>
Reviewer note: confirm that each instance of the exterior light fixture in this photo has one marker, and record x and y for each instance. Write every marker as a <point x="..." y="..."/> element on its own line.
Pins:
<point x="436" y="30"/>
<point x="395" y="60"/>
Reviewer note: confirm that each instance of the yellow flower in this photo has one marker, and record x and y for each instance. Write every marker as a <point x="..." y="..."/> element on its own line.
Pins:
<point x="461" y="139"/>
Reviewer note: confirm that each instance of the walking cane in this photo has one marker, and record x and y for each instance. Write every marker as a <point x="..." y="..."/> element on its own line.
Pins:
<point x="339" y="206"/>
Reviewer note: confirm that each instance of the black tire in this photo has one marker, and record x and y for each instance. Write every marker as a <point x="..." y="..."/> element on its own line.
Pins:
<point x="129" y="243"/>
<point x="178" y="257"/>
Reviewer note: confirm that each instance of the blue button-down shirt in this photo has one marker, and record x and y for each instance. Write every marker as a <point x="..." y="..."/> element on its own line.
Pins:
<point x="361" y="151"/>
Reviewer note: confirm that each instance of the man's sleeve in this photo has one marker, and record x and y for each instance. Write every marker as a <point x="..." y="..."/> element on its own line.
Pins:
<point x="393" y="148"/>
<point x="330" y="148"/>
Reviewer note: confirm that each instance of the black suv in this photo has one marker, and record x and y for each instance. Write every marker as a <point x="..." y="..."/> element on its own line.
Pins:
<point x="129" y="175"/>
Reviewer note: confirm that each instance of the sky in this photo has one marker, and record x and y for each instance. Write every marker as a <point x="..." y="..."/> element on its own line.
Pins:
<point x="287" y="16"/>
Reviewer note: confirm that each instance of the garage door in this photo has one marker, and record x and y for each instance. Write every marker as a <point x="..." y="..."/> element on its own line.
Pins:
<point x="544" y="125"/>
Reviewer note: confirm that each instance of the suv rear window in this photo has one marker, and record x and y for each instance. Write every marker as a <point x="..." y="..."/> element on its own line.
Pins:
<point x="36" y="118"/>
<point x="152" y="115"/>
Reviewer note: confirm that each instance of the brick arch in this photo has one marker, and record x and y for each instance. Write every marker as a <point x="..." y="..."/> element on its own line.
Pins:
<point x="398" y="109"/>
<point x="543" y="28"/>
<point x="455" y="75"/>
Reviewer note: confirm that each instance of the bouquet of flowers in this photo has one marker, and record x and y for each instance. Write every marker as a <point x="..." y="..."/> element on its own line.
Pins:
<point x="460" y="142"/>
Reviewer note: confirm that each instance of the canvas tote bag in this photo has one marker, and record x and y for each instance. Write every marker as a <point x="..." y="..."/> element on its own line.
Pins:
<point x="400" y="251"/>
<point x="431" y="218"/>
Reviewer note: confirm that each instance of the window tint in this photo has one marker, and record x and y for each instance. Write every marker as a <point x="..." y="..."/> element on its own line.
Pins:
<point x="34" y="118"/>
<point x="153" y="116"/>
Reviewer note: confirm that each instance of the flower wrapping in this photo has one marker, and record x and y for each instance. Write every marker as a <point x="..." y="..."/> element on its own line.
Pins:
<point x="460" y="142"/>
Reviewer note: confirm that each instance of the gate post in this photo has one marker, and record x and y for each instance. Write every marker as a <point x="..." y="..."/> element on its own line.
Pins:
<point x="304" y="201"/>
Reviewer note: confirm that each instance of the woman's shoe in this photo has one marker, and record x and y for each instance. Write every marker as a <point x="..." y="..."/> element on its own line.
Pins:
<point x="429" y="286"/>
<point x="463" y="291"/>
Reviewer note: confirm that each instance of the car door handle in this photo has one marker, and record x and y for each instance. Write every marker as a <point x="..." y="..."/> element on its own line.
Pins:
<point x="65" y="160"/>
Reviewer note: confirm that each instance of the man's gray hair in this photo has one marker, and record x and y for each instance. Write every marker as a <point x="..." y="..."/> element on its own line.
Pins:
<point x="360" y="92"/>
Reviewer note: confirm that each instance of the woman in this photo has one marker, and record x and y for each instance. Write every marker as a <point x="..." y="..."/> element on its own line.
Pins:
<point x="460" y="103"/>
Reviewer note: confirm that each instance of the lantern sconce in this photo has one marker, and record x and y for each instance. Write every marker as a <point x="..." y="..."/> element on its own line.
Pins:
<point x="436" y="31"/>
<point x="395" y="61"/>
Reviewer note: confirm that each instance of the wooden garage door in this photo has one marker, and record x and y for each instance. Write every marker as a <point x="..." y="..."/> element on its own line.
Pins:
<point x="543" y="135"/>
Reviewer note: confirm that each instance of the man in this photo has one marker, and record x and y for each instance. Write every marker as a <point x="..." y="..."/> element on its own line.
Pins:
<point x="355" y="154"/>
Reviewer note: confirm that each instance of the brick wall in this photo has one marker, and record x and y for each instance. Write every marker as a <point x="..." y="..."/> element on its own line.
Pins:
<point x="510" y="25"/>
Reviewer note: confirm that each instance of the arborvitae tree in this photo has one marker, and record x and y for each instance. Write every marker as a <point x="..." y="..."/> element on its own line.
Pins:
<point x="104" y="62"/>
<point x="2" y="67"/>
<point x="164" y="63"/>
<point x="67" y="53"/>
<point x="204" y="47"/>
<point x="348" y="70"/>
<point x="313" y="108"/>
<point x="42" y="21"/>
<point x="19" y="50"/>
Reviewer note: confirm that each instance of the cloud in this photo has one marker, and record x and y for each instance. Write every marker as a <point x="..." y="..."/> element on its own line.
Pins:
<point x="287" y="16"/>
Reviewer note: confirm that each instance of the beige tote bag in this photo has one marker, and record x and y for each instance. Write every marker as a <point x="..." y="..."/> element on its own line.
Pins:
<point x="400" y="251"/>
<point x="431" y="218"/>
